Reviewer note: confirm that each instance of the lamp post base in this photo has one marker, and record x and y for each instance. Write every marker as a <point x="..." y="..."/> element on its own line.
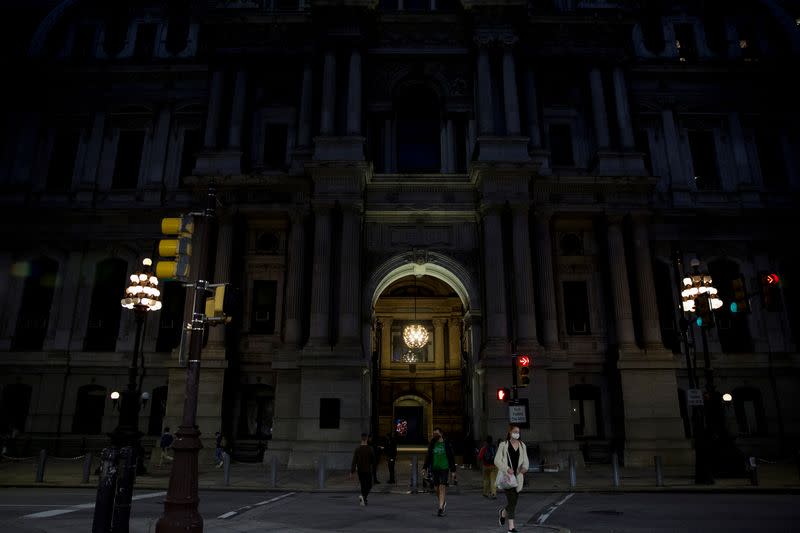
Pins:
<point x="180" y="506"/>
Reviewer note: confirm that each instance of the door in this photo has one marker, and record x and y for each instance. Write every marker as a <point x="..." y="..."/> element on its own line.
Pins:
<point x="415" y="433"/>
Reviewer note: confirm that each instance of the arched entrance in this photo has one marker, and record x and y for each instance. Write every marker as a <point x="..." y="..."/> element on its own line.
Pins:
<point x="432" y="386"/>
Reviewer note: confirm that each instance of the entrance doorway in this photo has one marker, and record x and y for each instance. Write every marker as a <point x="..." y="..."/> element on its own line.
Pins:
<point x="413" y="421"/>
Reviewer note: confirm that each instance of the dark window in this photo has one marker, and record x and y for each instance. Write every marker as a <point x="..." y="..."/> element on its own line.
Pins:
<point x="62" y="160"/>
<point x="268" y="242"/>
<point x="262" y="316"/>
<point x="571" y="244"/>
<point x="37" y="297"/>
<point x="642" y="142"/>
<point x="145" y="41"/>
<point x="116" y="33"/>
<point x="685" y="42"/>
<point x="716" y="34"/>
<point x="129" y="160"/>
<point x="561" y="152"/>
<point x="169" y="323"/>
<point x="704" y="160"/>
<point x="89" y="410"/>
<point x="666" y="306"/>
<point x="749" y="408"/>
<point x="653" y="34"/>
<point x="105" y="310"/>
<point x="257" y="409"/>
<point x="177" y="31"/>
<point x="158" y="408"/>
<point x="15" y="407"/>
<point x="83" y="46"/>
<point x="771" y="158"/>
<point x="416" y="5"/>
<point x="576" y="307"/>
<point x="192" y="144"/>
<point x="329" y="413"/>
<point x="733" y="329"/>
<point x="418" y="131"/>
<point x="275" y="136"/>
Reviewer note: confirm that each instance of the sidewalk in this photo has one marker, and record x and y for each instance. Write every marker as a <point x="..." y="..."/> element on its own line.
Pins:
<point x="778" y="477"/>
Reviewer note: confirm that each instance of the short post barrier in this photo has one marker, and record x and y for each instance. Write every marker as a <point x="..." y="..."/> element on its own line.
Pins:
<point x="106" y="486"/>
<point x="615" y="469"/>
<point x="40" y="466"/>
<point x="274" y="471"/>
<point x="414" y="472"/>
<point x="659" y="471"/>
<point x="573" y="476"/>
<point x="87" y="467"/>
<point x="752" y="466"/>
<point x="321" y="471"/>
<point x="226" y="466"/>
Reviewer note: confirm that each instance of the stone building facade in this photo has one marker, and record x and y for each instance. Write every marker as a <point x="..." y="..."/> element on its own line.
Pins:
<point x="519" y="176"/>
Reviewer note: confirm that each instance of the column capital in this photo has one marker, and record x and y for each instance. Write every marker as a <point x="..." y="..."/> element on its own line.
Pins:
<point x="486" y="37"/>
<point x="439" y="322"/>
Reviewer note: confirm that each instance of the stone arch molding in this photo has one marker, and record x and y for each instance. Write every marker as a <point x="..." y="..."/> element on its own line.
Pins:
<point x="423" y="263"/>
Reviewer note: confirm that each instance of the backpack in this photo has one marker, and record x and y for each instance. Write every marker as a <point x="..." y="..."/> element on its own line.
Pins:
<point x="488" y="455"/>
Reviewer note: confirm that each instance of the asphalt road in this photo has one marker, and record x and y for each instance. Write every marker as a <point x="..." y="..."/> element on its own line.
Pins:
<point x="70" y="510"/>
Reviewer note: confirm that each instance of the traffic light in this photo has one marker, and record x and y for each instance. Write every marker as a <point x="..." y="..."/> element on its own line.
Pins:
<point x="770" y="291"/>
<point x="220" y="307"/>
<point x="741" y="302"/>
<point x="523" y="369"/>
<point x="702" y="309"/>
<point x="179" y="248"/>
<point x="503" y="394"/>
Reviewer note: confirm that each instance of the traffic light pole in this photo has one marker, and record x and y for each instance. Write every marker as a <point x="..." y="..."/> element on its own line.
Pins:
<point x="181" y="503"/>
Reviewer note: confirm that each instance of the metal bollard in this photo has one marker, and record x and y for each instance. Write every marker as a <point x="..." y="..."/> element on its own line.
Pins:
<point x="274" y="471"/>
<point x="124" y="494"/>
<point x="40" y="466"/>
<point x="87" y="467"/>
<point x="321" y="471"/>
<point x="659" y="472"/>
<point x="226" y="468"/>
<point x="414" y="472"/>
<point x="104" y="503"/>
<point x="573" y="477"/>
<point x="752" y="466"/>
<point x="615" y="469"/>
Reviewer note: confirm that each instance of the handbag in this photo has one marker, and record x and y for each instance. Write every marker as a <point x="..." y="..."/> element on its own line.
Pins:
<point x="505" y="480"/>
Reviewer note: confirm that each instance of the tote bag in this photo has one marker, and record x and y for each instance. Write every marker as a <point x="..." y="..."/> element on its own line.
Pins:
<point x="505" y="480"/>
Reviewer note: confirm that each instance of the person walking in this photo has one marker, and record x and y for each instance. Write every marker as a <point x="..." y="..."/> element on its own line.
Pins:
<point x="376" y="451"/>
<point x="165" y="444"/>
<point x="511" y="460"/>
<point x="219" y="443"/>
<point x="363" y="462"/>
<point x="391" y="454"/>
<point x="486" y="457"/>
<point x="440" y="461"/>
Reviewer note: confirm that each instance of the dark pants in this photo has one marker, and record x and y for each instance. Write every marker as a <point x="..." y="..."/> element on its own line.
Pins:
<point x="365" y="478"/>
<point x="390" y="463"/>
<point x="511" y="502"/>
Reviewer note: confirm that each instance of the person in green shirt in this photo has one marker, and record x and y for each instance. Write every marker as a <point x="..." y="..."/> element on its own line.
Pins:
<point x="440" y="461"/>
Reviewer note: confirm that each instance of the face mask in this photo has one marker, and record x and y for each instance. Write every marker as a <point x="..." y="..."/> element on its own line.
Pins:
<point x="515" y="435"/>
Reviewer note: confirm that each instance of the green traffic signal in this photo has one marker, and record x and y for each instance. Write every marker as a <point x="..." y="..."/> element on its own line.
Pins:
<point x="699" y="322"/>
<point x="734" y="307"/>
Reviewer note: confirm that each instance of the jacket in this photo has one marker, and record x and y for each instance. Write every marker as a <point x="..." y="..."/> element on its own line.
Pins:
<point x="363" y="460"/>
<point x="448" y="449"/>
<point x="501" y="461"/>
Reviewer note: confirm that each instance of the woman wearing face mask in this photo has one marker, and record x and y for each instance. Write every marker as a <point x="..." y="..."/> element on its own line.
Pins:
<point x="511" y="458"/>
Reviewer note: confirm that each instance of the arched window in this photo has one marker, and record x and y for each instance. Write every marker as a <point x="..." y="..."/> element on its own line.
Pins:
<point x="418" y="119"/>
<point x="749" y="409"/>
<point x="587" y="412"/>
<point x="734" y="333"/>
<point x="256" y="411"/>
<point x="37" y="297"/>
<point x="89" y="409"/>
<point x="158" y="408"/>
<point x="15" y="406"/>
<point x="105" y="310"/>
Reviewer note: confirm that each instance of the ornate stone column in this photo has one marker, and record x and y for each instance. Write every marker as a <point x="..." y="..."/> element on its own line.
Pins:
<point x="510" y="100"/>
<point x="439" y="355"/>
<point x="523" y="279"/>
<point x="354" y="94"/>
<point x="349" y="286"/>
<point x="386" y="341"/>
<point x="623" y="315"/>
<point x="651" y="329"/>
<point x="214" y="109"/>
<point x="222" y="274"/>
<point x="496" y="327"/>
<point x="545" y="278"/>
<point x="485" y="109"/>
<point x="294" y="280"/>
<point x="328" y="93"/>
<point x="237" y="111"/>
<point x="320" y="284"/>
<point x="599" y="109"/>
<point x="454" y="348"/>
<point x="532" y="109"/>
<point x="623" y="110"/>
<point x="306" y="102"/>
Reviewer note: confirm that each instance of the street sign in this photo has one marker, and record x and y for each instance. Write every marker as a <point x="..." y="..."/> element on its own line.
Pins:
<point x="518" y="413"/>
<point x="694" y="397"/>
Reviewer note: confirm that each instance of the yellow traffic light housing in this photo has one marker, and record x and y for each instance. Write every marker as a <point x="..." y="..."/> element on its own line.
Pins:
<point x="179" y="249"/>
<point x="219" y="308"/>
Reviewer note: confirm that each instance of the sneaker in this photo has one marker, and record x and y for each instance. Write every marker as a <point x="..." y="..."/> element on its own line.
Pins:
<point x="444" y="507"/>
<point x="440" y="513"/>
<point x="500" y="518"/>
<point x="361" y="501"/>
<point x="365" y="502"/>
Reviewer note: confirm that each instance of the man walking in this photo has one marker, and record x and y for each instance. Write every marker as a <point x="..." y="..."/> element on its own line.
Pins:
<point x="165" y="444"/>
<point x="363" y="461"/>
<point x="391" y="454"/>
<point x="440" y="460"/>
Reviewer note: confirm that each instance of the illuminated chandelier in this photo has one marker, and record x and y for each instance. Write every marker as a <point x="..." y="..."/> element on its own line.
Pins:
<point x="143" y="291"/>
<point x="696" y="285"/>
<point x="415" y="335"/>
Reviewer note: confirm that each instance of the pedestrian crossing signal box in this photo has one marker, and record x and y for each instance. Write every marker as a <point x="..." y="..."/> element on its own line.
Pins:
<point x="519" y="413"/>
